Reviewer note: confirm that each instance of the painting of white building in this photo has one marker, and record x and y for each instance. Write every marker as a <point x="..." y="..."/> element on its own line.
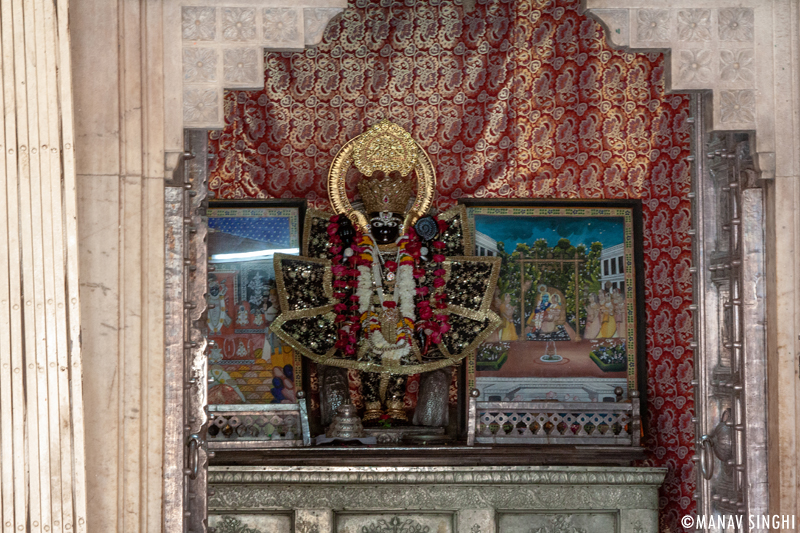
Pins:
<point x="485" y="245"/>
<point x="612" y="267"/>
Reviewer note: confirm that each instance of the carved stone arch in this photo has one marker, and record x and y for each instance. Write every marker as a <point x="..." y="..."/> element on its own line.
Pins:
<point x="212" y="46"/>
<point x="718" y="48"/>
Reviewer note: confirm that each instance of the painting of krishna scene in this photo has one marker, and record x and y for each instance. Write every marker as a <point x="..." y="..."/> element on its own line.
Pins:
<point x="247" y="363"/>
<point x="566" y="295"/>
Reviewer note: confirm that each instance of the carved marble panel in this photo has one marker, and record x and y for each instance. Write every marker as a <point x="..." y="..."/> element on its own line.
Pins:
<point x="694" y="25"/>
<point x="568" y="522"/>
<point x="282" y="25"/>
<point x="652" y="25"/>
<point x="394" y="523"/>
<point x="737" y="107"/>
<point x="736" y="24"/>
<point x="238" y="24"/>
<point x="198" y="23"/>
<point x="200" y="65"/>
<point x="250" y="523"/>
<point x="200" y="105"/>
<point x="443" y="499"/>
<point x="241" y="66"/>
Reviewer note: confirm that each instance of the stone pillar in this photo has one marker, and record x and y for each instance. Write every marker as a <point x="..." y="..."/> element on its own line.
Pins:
<point x="129" y="68"/>
<point x="117" y="49"/>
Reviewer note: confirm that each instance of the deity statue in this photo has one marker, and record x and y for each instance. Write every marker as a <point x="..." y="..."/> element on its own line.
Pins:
<point x="389" y="290"/>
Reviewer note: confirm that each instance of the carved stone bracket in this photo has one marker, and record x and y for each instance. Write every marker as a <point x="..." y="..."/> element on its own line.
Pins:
<point x="213" y="46"/>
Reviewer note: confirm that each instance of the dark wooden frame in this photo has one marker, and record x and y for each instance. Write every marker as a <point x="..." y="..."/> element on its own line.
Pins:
<point x="638" y="261"/>
<point x="300" y="374"/>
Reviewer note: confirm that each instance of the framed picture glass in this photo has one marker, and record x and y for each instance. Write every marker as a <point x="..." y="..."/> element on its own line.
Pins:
<point x="247" y="363"/>
<point x="571" y="296"/>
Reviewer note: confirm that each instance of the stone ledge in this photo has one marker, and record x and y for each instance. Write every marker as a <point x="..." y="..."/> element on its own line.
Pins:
<point x="513" y="475"/>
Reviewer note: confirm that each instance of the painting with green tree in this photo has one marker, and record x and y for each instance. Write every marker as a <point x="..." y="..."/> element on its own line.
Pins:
<point x="567" y="295"/>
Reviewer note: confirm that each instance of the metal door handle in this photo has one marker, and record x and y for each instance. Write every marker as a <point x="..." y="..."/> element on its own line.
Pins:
<point x="194" y="455"/>
<point x="706" y="457"/>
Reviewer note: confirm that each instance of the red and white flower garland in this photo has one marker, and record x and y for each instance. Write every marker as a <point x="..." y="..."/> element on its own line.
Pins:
<point x="356" y="277"/>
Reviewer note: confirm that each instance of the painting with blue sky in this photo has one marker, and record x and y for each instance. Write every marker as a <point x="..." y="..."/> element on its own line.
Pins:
<point x="247" y="363"/>
<point x="513" y="229"/>
<point x="566" y="298"/>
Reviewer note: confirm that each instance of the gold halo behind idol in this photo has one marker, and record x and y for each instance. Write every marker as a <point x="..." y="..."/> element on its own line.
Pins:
<point x="388" y="148"/>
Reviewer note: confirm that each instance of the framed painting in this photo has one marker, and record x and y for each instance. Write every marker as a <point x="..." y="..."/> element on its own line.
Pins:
<point x="571" y="296"/>
<point x="248" y="364"/>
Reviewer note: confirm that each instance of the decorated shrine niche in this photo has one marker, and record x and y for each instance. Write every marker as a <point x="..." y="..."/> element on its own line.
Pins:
<point x="383" y="321"/>
<point x="387" y="299"/>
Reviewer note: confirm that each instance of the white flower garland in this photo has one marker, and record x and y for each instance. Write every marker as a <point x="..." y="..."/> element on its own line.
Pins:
<point x="405" y="290"/>
<point x="364" y="289"/>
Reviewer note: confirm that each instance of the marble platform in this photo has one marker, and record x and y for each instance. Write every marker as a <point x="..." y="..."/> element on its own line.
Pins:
<point x="511" y="499"/>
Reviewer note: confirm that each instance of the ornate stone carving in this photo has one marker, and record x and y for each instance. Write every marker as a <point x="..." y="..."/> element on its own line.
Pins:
<point x="441" y="475"/>
<point x="241" y="66"/>
<point x="737" y="66"/>
<point x="199" y="65"/>
<point x="653" y="25"/>
<point x="395" y="525"/>
<point x="281" y="25"/>
<point x="238" y="24"/>
<point x="200" y="106"/>
<point x="724" y="63"/>
<point x="736" y="24"/>
<point x="559" y="524"/>
<point x="551" y="497"/>
<point x="400" y="499"/>
<point x="233" y="525"/>
<point x="737" y="107"/>
<point x="695" y="66"/>
<point x="562" y="522"/>
<point x="694" y="25"/>
<point x="200" y="36"/>
<point x="199" y="23"/>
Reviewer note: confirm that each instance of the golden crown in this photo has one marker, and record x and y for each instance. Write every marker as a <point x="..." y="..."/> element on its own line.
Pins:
<point x="385" y="194"/>
<point x="385" y="146"/>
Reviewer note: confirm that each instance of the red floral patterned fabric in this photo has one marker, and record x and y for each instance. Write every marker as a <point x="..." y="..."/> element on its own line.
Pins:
<point x="513" y="99"/>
